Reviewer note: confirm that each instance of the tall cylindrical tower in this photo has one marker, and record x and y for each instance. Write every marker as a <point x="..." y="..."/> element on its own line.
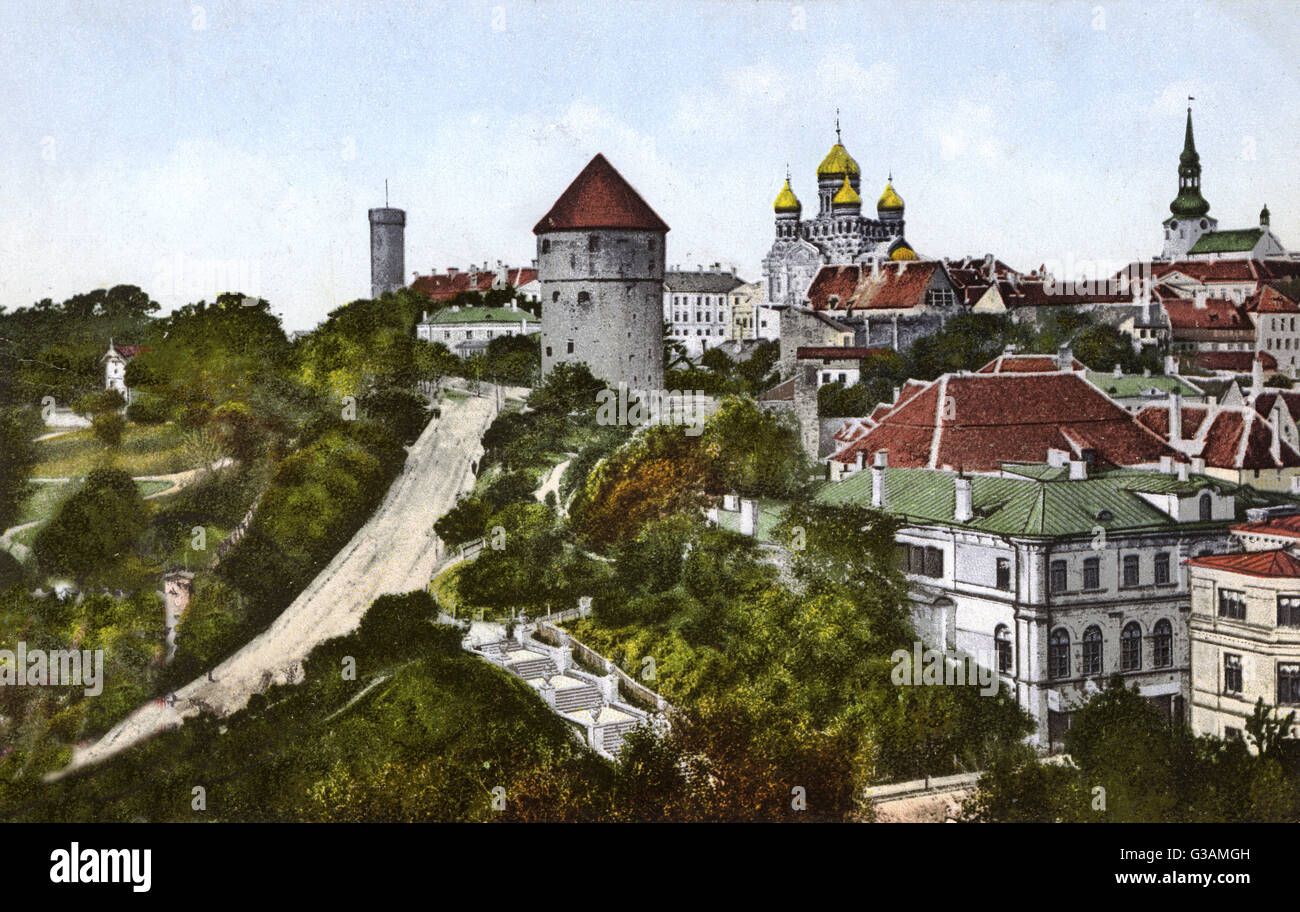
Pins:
<point x="387" y="250"/>
<point x="600" y="262"/>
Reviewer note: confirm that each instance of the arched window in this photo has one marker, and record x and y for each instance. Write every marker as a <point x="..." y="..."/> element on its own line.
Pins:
<point x="1002" y="642"/>
<point x="1092" y="651"/>
<point x="1130" y="647"/>
<point x="1162" y="643"/>
<point x="1058" y="653"/>
<point x="1207" y="512"/>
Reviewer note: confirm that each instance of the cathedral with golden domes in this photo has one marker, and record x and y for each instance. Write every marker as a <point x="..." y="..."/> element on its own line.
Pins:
<point x="839" y="235"/>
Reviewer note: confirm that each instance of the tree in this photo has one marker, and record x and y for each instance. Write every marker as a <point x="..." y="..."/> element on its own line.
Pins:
<point x="96" y="525"/>
<point x="754" y="452"/>
<point x="17" y="456"/>
<point x="108" y="428"/>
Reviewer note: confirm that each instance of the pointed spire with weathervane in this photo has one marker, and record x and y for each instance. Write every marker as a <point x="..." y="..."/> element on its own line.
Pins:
<point x="1189" y="203"/>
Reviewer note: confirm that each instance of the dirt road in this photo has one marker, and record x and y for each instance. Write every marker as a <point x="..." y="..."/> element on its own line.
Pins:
<point x="394" y="552"/>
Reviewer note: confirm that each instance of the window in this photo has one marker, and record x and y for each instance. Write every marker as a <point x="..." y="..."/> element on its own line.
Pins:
<point x="1162" y="569"/>
<point x="593" y="242"/>
<point x="1058" y="653"/>
<point x="584" y="297"/>
<point x="1207" y="510"/>
<point x="1288" y="684"/>
<point x="1002" y="641"/>
<point x="1092" y="651"/>
<point x="1092" y="573"/>
<point x="548" y="351"/>
<point x="925" y="561"/>
<point x="546" y="246"/>
<point x="1130" y="647"/>
<point x="1130" y="570"/>
<point x="1004" y="573"/>
<point x="1232" y="673"/>
<point x="1231" y="734"/>
<point x="933" y="562"/>
<point x="1288" y="611"/>
<point x="1232" y="604"/>
<point x="1057" y="576"/>
<point x="1162" y="644"/>
<point x="569" y="346"/>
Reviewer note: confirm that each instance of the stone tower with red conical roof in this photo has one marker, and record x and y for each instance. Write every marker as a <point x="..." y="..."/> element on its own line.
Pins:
<point x="600" y="263"/>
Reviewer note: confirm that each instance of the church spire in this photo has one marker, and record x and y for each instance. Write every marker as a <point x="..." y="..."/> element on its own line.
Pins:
<point x="1189" y="203"/>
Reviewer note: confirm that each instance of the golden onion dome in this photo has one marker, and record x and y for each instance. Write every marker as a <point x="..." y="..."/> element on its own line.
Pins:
<point x="838" y="161"/>
<point x="846" y="195"/>
<point x="902" y="252"/>
<point x="786" y="201"/>
<point x="890" y="201"/>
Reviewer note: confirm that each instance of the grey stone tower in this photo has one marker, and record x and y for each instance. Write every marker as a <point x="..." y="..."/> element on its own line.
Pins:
<point x="387" y="250"/>
<point x="600" y="262"/>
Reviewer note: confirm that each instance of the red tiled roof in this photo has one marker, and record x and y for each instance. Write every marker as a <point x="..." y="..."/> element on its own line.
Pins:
<point x="445" y="286"/>
<point x="1235" y="437"/>
<point x="600" y="197"/>
<point x="1027" y="364"/>
<point x="1282" y="526"/>
<point x="840" y="353"/>
<point x="1238" y="270"/>
<point x="130" y="351"/>
<point x="1253" y="563"/>
<point x="1218" y="313"/>
<point x="1268" y="299"/>
<point x="1156" y="417"/>
<point x="1291" y="401"/>
<point x="893" y="286"/>
<point x="1241" y="362"/>
<point x="977" y="422"/>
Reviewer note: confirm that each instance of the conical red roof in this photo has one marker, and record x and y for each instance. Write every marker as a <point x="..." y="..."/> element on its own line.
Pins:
<point x="600" y="197"/>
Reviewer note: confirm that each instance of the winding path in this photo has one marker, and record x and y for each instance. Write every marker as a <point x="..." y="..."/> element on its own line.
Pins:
<point x="394" y="552"/>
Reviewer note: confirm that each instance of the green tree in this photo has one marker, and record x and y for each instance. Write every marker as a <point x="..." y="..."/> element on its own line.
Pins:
<point x="95" y="526"/>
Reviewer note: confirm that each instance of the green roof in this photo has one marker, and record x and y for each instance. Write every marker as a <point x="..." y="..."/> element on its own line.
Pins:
<point x="1129" y="385"/>
<point x="1235" y="241"/>
<point x="480" y="315"/>
<point x="1045" y="506"/>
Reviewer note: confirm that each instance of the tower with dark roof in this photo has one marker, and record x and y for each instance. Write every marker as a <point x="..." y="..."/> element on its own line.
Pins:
<point x="387" y="250"/>
<point x="600" y="263"/>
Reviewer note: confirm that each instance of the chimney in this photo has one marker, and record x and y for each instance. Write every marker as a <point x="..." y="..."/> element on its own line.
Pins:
<point x="1064" y="357"/>
<point x="898" y="391"/>
<point x="1200" y="300"/>
<point x="1295" y="484"/>
<point x="1171" y="365"/>
<point x="963" y="512"/>
<point x="1078" y="469"/>
<point x="1274" y="442"/>
<point x="1175" y="418"/>
<point x="1182" y="471"/>
<point x="1166" y="465"/>
<point x="1117" y="372"/>
<point x="1057" y="459"/>
<point x="1256" y="377"/>
<point x="1198" y="465"/>
<point x="879" y="496"/>
<point x="862" y="460"/>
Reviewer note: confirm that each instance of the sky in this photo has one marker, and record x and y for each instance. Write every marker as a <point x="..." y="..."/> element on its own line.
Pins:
<point x="198" y="146"/>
